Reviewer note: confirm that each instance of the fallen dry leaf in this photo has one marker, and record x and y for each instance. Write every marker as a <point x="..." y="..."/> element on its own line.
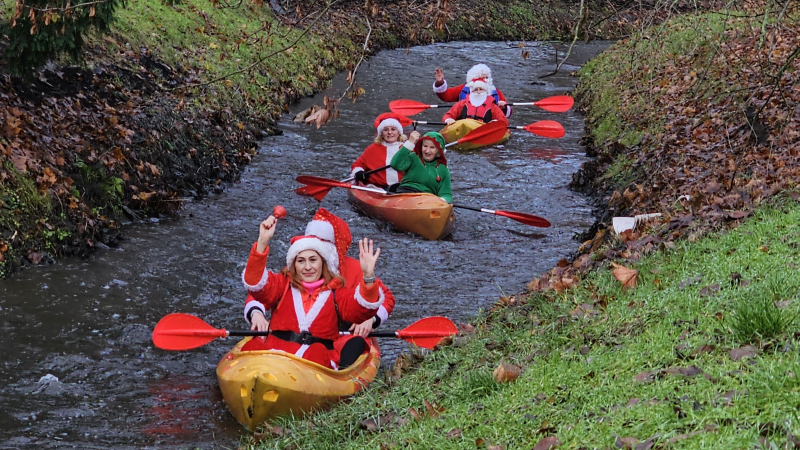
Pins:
<point x="505" y="373"/>
<point x="743" y="352"/>
<point x="626" y="276"/>
<point x="547" y="443"/>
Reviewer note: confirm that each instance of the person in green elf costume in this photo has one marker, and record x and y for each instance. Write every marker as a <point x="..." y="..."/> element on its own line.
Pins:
<point x="422" y="160"/>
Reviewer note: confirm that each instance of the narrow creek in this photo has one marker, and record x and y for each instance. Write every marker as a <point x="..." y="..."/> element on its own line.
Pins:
<point x="88" y="322"/>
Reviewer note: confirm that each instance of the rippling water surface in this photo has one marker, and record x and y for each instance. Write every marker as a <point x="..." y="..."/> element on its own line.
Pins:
<point x="88" y="322"/>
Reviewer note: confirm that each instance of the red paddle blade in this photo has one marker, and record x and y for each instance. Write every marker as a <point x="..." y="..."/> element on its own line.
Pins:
<point x="318" y="192"/>
<point x="557" y="103"/>
<point x="486" y="134"/>
<point x="320" y="181"/>
<point x="407" y="107"/>
<point x="183" y="332"/>
<point x="428" y="332"/>
<point x="546" y="128"/>
<point x="527" y="219"/>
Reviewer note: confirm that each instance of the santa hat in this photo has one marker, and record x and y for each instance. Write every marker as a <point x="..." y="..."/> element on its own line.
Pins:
<point x="476" y="83"/>
<point x="438" y="141"/>
<point x="480" y="71"/>
<point x="325" y="249"/>
<point x="332" y="229"/>
<point x="388" y="120"/>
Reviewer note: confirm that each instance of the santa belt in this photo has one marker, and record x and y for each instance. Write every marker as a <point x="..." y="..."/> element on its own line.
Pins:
<point x="303" y="338"/>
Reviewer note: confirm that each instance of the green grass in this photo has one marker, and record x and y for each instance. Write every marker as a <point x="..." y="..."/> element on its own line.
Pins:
<point x="579" y="374"/>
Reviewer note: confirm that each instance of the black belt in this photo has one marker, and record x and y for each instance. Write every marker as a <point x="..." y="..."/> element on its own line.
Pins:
<point x="304" y="338"/>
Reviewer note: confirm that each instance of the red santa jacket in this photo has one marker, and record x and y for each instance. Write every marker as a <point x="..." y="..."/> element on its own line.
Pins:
<point x="376" y="156"/>
<point x="488" y="111"/>
<point x="327" y="304"/>
<point x="353" y="275"/>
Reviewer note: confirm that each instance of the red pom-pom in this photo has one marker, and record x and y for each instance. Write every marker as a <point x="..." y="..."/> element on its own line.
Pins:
<point x="279" y="212"/>
<point x="438" y="179"/>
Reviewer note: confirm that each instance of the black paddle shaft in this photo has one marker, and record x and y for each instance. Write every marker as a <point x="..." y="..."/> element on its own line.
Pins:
<point x="266" y="333"/>
<point x="467" y="207"/>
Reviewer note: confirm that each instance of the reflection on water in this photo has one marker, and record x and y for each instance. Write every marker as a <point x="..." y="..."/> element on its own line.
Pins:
<point x="88" y="322"/>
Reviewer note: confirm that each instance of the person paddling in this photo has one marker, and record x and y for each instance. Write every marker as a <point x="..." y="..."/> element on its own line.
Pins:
<point x="461" y="91"/>
<point x="379" y="154"/>
<point x="478" y="105"/>
<point x="331" y="228"/>
<point x="308" y="298"/>
<point x="425" y="166"/>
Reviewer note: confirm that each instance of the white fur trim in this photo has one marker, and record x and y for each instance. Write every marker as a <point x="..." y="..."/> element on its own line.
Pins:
<point x="256" y="287"/>
<point x="321" y="229"/>
<point x="390" y="123"/>
<point x="357" y="169"/>
<point x="480" y="71"/>
<point x="301" y="351"/>
<point x="363" y="302"/>
<point x="409" y="145"/>
<point x="508" y="110"/>
<point x="383" y="314"/>
<point x="479" y="83"/>
<point x="304" y="320"/>
<point x="392" y="176"/>
<point x="251" y="305"/>
<point x="440" y="89"/>
<point x="325" y="249"/>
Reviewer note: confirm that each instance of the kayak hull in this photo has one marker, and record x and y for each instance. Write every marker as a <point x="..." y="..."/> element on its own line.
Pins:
<point x="261" y="385"/>
<point x="460" y="128"/>
<point x="424" y="214"/>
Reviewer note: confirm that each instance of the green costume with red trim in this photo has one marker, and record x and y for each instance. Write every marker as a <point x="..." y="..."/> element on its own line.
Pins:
<point x="430" y="177"/>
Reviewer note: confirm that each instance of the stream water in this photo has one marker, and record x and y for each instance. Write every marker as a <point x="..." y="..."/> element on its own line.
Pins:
<point x="78" y="369"/>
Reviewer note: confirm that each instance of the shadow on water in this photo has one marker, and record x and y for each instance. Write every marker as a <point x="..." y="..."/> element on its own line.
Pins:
<point x="78" y="368"/>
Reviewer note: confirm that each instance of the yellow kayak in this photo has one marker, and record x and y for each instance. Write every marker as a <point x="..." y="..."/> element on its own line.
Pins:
<point x="460" y="128"/>
<point x="260" y="385"/>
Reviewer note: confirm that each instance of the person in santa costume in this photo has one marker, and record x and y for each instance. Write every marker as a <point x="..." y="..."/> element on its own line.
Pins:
<point x="478" y="105"/>
<point x="425" y="167"/>
<point x="308" y="298"/>
<point x="461" y="91"/>
<point x="331" y="228"/>
<point x="380" y="153"/>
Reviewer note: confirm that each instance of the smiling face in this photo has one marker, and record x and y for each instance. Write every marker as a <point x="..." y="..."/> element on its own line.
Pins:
<point x="429" y="150"/>
<point x="308" y="266"/>
<point x="390" y="135"/>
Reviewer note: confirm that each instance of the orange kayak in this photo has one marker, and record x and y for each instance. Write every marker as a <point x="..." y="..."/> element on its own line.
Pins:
<point x="424" y="214"/>
<point x="261" y="385"/>
<point x="460" y="128"/>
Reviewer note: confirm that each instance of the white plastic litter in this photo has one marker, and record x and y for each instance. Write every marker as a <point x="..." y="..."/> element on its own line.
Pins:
<point x="622" y="224"/>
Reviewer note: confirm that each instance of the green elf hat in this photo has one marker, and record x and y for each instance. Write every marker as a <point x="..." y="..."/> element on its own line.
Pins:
<point x="438" y="141"/>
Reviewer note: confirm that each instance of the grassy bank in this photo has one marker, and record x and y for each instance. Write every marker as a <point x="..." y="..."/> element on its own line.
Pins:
<point x="680" y="334"/>
<point x="697" y="355"/>
<point x="169" y="105"/>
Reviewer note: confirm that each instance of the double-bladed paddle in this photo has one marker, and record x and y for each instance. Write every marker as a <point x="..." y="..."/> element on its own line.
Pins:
<point x="527" y="219"/>
<point x="544" y="128"/>
<point x="319" y="192"/>
<point x="180" y="331"/>
<point x="557" y="103"/>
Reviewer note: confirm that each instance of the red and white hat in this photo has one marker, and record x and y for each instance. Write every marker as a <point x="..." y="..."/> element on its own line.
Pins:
<point x="325" y="249"/>
<point x="480" y="71"/>
<point x="331" y="228"/>
<point x="388" y="120"/>
<point x="476" y="83"/>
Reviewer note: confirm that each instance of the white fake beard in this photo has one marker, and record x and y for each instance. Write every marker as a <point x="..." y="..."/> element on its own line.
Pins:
<point x="478" y="99"/>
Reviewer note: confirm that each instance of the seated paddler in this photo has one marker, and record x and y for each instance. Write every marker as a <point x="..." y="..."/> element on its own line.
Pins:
<point x="308" y="298"/>
<point x="380" y="153"/>
<point x="424" y="165"/>
<point x="478" y="105"/>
